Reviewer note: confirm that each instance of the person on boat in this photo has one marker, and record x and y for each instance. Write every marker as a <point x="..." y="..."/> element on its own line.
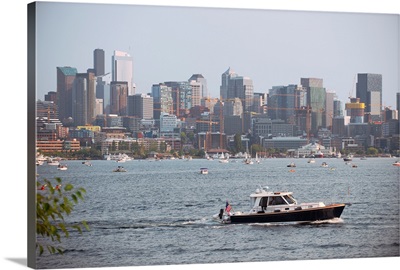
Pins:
<point x="228" y="207"/>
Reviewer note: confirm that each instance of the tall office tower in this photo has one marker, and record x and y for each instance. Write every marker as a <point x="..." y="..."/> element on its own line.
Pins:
<point x="84" y="99"/>
<point x="196" y="92"/>
<point x="330" y="97"/>
<point x="203" y="84"/>
<point x="162" y="100"/>
<point x="65" y="82"/>
<point x="240" y="87"/>
<point x="119" y="98"/>
<point x="225" y="77"/>
<point x="284" y="100"/>
<point x="355" y="109"/>
<point x="259" y="102"/>
<point x="233" y="107"/>
<point x="337" y="108"/>
<point x="122" y="69"/>
<point x="103" y="90"/>
<point x="369" y="91"/>
<point x="141" y="106"/>
<point x="182" y="97"/>
<point x="316" y="100"/>
<point x="98" y="62"/>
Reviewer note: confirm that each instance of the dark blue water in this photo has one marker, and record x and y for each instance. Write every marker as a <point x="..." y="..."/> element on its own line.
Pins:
<point x="160" y="212"/>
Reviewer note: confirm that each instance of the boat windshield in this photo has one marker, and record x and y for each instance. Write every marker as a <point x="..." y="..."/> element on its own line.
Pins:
<point x="289" y="199"/>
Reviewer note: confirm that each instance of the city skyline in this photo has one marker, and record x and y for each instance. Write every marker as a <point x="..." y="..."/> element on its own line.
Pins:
<point x="335" y="49"/>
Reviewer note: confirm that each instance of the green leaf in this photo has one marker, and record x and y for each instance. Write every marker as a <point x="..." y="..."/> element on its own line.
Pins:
<point x="86" y="225"/>
<point x="73" y="196"/>
<point x="68" y="187"/>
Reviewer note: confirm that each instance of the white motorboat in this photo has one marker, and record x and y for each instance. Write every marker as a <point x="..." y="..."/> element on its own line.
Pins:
<point x="272" y="207"/>
<point x="203" y="171"/>
<point x="62" y="167"/>
<point x="119" y="169"/>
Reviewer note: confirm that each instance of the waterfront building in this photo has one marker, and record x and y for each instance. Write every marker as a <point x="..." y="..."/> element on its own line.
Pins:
<point x="283" y="143"/>
<point x="369" y="91"/>
<point x="168" y="122"/>
<point x="57" y="146"/>
<point x="312" y="148"/>
<point x="266" y="127"/>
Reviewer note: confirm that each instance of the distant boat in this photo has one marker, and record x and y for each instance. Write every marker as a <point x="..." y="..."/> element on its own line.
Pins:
<point x="62" y="167"/>
<point x="311" y="160"/>
<point x="292" y="165"/>
<point x="348" y="158"/>
<point x="324" y="164"/>
<point x="87" y="163"/>
<point x="397" y="163"/>
<point x="119" y="169"/>
<point x="203" y="171"/>
<point x="53" y="162"/>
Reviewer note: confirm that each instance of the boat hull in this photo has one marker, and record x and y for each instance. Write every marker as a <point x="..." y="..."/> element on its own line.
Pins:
<point x="303" y="215"/>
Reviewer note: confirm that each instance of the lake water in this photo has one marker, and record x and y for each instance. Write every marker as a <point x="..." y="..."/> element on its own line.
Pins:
<point x="160" y="212"/>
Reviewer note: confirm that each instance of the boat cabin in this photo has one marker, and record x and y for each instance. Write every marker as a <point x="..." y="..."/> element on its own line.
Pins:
<point x="263" y="201"/>
<point x="266" y="201"/>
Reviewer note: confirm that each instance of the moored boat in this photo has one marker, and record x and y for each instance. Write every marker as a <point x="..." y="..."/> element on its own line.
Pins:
<point x="277" y="207"/>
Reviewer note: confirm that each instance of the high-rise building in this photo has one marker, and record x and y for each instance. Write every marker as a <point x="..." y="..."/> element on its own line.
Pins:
<point x="337" y="108"/>
<point x="118" y="98"/>
<point x="225" y="77"/>
<point x="65" y="82"/>
<point x="329" y="108"/>
<point x="234" y="86"/>
<point x="122" y="69"/>
<point x="369" y="91"/>
<point x="162" y="99"/>
<point x="141" y="106"/>
<point x="98" y="62"/>
<point x="284" y="100"/>
<point x="182" y="97"/>
<point x="355" y="109"/>
<point x="316" y="100"/>
<point x="203" y="84"/>
<point x="84" y="99"/>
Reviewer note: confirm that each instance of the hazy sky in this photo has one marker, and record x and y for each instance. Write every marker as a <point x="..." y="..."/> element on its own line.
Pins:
<point x="271" y="47"/>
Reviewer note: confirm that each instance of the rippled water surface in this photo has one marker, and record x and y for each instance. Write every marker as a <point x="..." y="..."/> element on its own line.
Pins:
<point x="160" y="212"/>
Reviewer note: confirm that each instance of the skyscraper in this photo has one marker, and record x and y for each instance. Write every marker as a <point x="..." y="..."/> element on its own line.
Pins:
<point x="84" y="98"/>
<point x="162" y="99"/>
<point x="119" y="98"/>
<point x="65" y="82"/>
<point x="98" y="62"/>
<point x="225" y="77"/>
<point x="369" y="91"/>
<point x="203" y="84"/>
<point x="316" y="100"/>
<point x="141" y="106"/>
<point x="122" y="69"/>
<point x="234" y="86"/>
